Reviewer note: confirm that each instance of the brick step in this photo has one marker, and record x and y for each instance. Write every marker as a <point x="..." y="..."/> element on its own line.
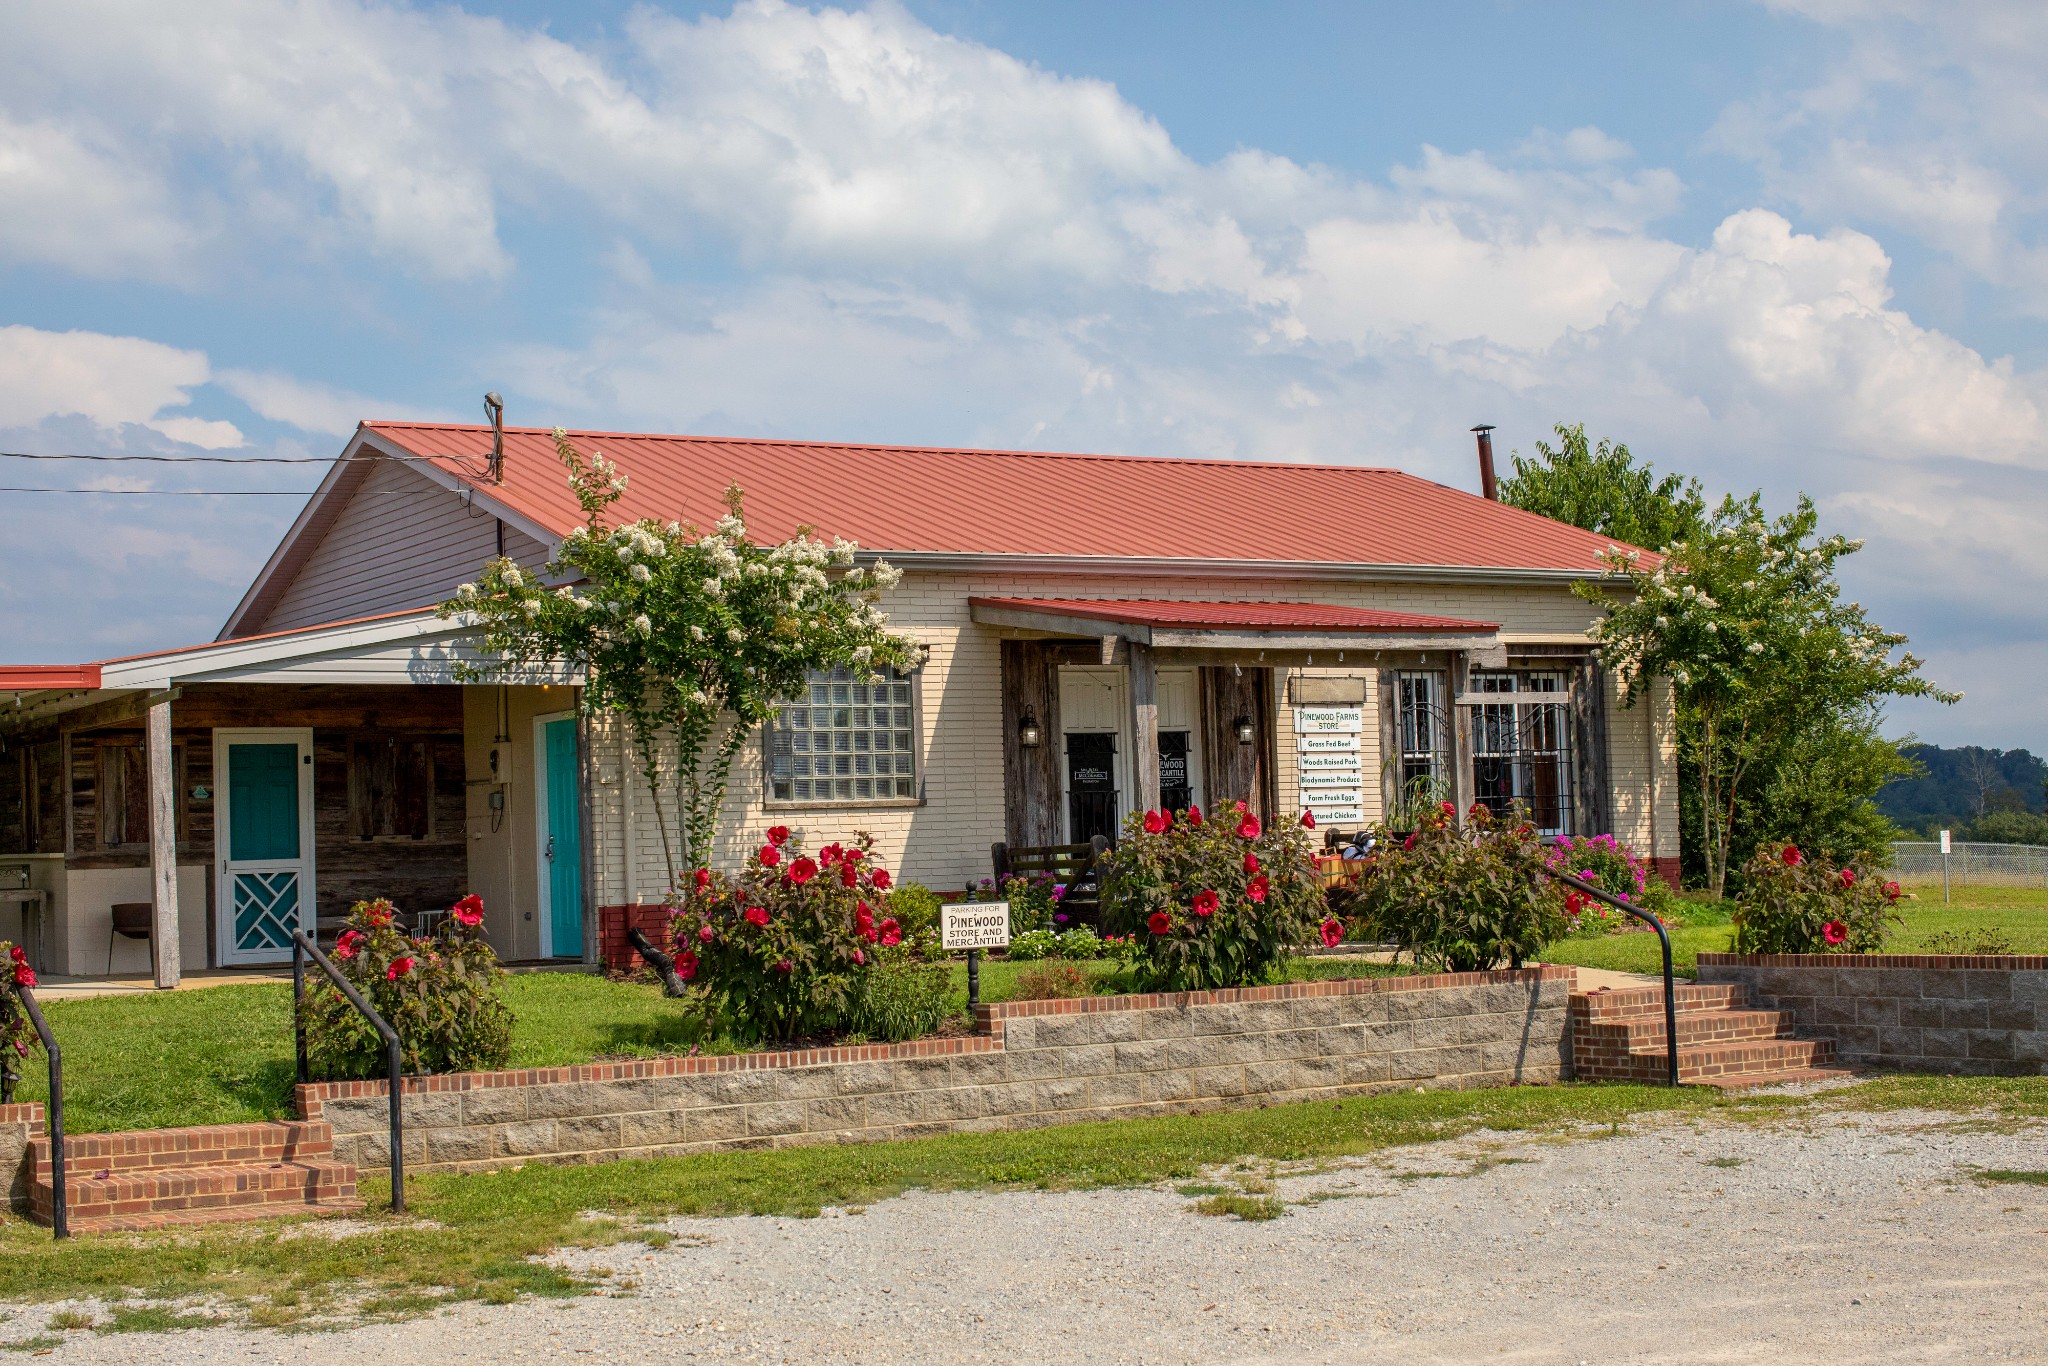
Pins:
<point x="1609" y="1006"/>
<point x="1640" y="1032"/>
<point x="143" y="1199"/>
<point x="1736" y="1081"/>
<point x="209" y="1145"/>
<point x="1699" y="1062"/>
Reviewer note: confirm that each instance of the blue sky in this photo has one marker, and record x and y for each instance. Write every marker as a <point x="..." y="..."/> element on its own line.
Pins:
<point x="1794" y="246"/>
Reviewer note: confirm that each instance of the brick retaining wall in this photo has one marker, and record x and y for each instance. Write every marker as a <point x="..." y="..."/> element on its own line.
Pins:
<point x="1949" y="1013"/>
<point x="1029" y="1064"/>
<point x="18" y="1124"/>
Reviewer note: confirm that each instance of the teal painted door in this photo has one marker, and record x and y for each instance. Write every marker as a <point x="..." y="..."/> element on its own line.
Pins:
<point x="564" y="842"/>
<point x="264" y="860"/>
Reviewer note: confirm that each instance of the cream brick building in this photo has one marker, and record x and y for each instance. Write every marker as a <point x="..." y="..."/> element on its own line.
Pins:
<point x="1105" y="634"/>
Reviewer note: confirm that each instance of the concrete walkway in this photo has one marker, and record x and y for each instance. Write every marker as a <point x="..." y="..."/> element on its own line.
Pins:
<point x="77" y="988"/>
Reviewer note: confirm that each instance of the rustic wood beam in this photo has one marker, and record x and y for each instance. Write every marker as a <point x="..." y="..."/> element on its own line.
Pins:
<point x="163" y="845"/>
<point x="1144" y="693"/>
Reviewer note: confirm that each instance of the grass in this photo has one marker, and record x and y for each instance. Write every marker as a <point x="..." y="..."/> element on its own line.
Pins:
<point x="2018" y="914"/>
<point x="476" y="1236"/>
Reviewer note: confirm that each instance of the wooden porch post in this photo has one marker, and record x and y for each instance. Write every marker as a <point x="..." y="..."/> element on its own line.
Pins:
<point x="1144" y="727"/>
<point x="1461" y="733"/>
<point x="163" y="846"/>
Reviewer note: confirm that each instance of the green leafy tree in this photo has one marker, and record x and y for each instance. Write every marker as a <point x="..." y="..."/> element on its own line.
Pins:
<point x="1747" y="620"/>
<point x="1603" y="489"/>
<point x="693" y="637"/>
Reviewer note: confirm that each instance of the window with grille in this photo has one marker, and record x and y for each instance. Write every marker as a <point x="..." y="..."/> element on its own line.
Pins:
<point x="1422" y="723"/>
<point x="847" y="740"/>
<point x="1521" y="746"/>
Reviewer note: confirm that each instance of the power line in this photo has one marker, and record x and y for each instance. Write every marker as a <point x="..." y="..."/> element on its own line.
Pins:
<point x="234" y="459"/>
<point x="216" y="493"/>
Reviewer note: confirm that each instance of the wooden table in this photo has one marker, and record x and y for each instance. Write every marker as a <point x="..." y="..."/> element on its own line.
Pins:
<point x="37" y="900"/>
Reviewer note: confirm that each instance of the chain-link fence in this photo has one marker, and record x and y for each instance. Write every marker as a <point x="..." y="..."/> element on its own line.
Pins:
<point x="1978" y="865"/>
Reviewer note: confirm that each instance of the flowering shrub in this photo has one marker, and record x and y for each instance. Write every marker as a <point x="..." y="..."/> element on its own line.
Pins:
<point x="1464" y="900"/>
<point x="779" y="951"/>
<point x="1213" y="903"/>
<point x="1052" y="982"/>
<point x="443" y="993"/>
<point x="1613" y="867"/>
<point x="1792" y="902"/>
<point x="17" y="1035"/>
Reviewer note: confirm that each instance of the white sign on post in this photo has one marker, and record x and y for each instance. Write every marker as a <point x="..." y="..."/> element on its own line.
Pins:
<point x="1338" y="815"/>
<point x="975" y="925"/>
<point x="1328" y="744"/>
<point x="1944" y="842"/>
<point x="1329" y="720"/>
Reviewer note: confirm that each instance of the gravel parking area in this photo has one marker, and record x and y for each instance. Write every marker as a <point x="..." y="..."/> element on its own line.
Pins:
<point x="1837" y="1237"/>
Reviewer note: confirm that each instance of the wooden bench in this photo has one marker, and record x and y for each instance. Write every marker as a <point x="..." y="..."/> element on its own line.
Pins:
<point x="1074" y="865"/>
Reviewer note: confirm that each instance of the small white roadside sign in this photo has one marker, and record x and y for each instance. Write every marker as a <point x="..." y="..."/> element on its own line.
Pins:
<point x="1944" y="842"/>
<point x="975" y="925"/>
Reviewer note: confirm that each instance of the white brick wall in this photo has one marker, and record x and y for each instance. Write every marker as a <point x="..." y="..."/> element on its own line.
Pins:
<point x="945" y="841"/>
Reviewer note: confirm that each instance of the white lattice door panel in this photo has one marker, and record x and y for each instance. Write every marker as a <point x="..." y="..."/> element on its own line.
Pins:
<point x="263" y="821"/>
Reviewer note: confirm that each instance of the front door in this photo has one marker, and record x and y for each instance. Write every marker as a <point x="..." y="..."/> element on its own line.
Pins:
<point x="1180" y="743"/>
<point x="264" y="825"/>
<point x="561" y="839"/>
<point x="1093" y="743"/>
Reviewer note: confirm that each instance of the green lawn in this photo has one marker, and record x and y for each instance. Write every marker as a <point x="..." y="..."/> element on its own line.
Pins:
<point x="223" y="1055"/>
<point x="2017" y="913"/>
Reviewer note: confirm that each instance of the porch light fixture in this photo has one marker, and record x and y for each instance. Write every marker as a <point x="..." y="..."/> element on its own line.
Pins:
<point x="1246" y="731"/>
<point x="1029" y="736"/>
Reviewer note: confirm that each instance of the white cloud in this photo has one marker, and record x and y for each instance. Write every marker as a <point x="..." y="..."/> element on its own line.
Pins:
<point x="110" y="380"/>
<point x="84" y="207"/>
<point x="312" y="407"/>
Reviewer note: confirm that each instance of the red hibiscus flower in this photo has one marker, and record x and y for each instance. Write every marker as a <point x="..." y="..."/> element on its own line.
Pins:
<point x="860" y="959"/>
<point x="892" y="933"/>
<point x="704" y="934"/>
<point x="1333" y="932"/>
<point x="881" y="879"/>
<point x="1251" y="863"/>
<point x="399" y="968"/>
<point x="849" y="873"/>
<point x="1449" y="810"/>
<point x="863" y="917"/>
<point x="18" y="953"/>
<point x="770" y="856"/>
<point x="1408" y="843"/>
<point x="1576" y="901"/>
<point x="1848" y="877"/>
<point x="802" y="870"/>
<point x="1249" y="827"/>
<point x="778" y="835"/>
<point x="1206" y="903"/>
<point x="757" y="915"/>
<point x="703" y="877"/>
<point x="470" y="910"/>
<point x="1891" y="890"/>
<point x="1158" y="922"/>
<point x="686" y="965"/>
<point x="1156" y="822"/>
<point x="1257" y="888"/>
<point x="830" y="854"/>
<point x="785" y="966"/>
<point x="24" y="975"/>
<point x="1308" y="820"/>
<point x="1793" y="858"/>
<point x="345" y="947"/>
<point x="1194" y="814"/>
<point x="1834" y="932"/>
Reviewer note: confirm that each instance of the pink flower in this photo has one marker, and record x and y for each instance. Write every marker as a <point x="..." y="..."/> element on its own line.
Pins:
<point x="1333" y="932"/>
<point x="345" y="947"/>
<point x="703" y="878"/>
<point x="1891" y="890"/>
<point x="1194" y="814"/>
<point x="785" y="966"/>
<point x="1448" y="809"/>
<point x="1158" y="922"/>
<point x="802" y="870"/>
<point x="686" y="965"/>
<point x="1251" y="863"/>
<point x="1257" y="888"/>
<point x="770" y="856"/>
<point x="1834" y="932"/>
<point x="860" y="959"/>
<point x="757" y="915"/>
<point x="1156" y="822"/>
<point x="399" y="968"/>
<point x="1793" y="858"/>
<point x="892" y="933"/>
<point x="704" y="934"/>
<point x="778" y="834"/>
<point x="1249" y="827"/>
<point x="1205" y="904"/>
<point x="470" y="910"/>
<point x="1308" y="820"/>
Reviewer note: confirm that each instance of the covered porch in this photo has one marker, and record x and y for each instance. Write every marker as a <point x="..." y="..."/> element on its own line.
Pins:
<point x="186" y="811"/>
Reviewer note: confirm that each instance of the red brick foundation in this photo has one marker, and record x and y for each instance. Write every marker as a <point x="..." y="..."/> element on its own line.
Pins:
<point x="614" y="950"/>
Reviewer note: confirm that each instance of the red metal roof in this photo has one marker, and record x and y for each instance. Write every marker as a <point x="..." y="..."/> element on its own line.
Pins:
<point x="28" y="677"/>
<point x="1239" y="616"/>
<point x="902" y="498"/>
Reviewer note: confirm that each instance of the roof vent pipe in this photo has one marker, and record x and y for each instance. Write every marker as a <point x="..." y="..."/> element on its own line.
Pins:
<point x="494" y="407"/>
<point x="1488" y="489"/>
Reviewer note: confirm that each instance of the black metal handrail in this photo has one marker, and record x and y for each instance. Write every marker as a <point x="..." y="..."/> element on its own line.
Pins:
<point x="1663" y="938"/>
<point x="303" y="945"/>
<point x="53" y="1113"/>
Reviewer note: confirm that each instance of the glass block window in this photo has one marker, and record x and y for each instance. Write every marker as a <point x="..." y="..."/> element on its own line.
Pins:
<point x="848" y="740"/>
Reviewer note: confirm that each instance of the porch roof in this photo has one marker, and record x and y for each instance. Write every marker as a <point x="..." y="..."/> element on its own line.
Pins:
<point x="1239" y="625"/>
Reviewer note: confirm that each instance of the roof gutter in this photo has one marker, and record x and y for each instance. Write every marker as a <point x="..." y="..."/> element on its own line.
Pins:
<point x="1175" y="567"/>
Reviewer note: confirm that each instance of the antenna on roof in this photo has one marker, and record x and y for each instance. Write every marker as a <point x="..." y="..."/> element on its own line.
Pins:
<point x="494" y="408"/>
<point x="1487" y="488"/>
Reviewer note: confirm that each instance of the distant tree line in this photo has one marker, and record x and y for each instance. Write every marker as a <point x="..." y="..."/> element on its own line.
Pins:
<point x="1997" y="796"/>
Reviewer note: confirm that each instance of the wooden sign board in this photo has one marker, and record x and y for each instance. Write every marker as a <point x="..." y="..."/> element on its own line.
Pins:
<point x="1327" y="744"/>
<point x="1329" y="720"/>
<point x="1316" y="761"/>
<point x="1349" y="814"/>
<point x="974" y="925"/>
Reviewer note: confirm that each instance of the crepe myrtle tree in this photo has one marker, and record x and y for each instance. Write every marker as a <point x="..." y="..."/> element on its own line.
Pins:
<point x="1748" y="622"/>
<point x="696" y="636"/>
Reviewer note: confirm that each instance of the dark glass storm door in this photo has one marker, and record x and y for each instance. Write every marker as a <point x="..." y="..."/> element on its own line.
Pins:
<point x="1091" y="787"/>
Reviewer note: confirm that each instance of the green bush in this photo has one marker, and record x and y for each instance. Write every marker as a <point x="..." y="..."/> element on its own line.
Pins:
<point x="444" y="994"/>
<point x="1613" y="867"/>
<point x="1214" y="903"/>
<point x="1034" y="944"/>
<point x="1795" y="903"/>
<point x="896" y="1001"/>
<point x="916" y="908"/>
<point x="1052" y="982"/>
<point x="1463" y="900"/>
<point x="1033" y="900"/>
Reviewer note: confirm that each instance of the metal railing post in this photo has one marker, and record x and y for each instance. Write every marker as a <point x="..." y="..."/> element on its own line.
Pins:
<point x="60" y="1214"/>
<point x="303" y="947"/>
<point x="1663" y="938"/>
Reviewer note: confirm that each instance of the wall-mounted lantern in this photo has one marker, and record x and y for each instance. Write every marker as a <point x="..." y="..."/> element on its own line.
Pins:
<point x="1029" y="736"/>
<point x="1246" y="731"/>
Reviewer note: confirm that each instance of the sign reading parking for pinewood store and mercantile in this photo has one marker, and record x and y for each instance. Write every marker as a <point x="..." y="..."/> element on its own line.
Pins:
<point x="975" y="925"/>
<point x="1328" y="759"/>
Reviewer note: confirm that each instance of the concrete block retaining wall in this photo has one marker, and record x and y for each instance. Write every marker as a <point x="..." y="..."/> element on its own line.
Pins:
<point x="1029" y="1064"/>
<point x="1985" y="1015"/>
<point x="18" y="1124"/>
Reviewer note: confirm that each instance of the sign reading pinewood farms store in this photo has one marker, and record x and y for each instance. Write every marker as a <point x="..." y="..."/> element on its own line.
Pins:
<point x="1331" y="768"/>
<point x="975" y="925"/>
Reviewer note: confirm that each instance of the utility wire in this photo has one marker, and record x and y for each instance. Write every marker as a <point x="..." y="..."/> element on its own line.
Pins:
<point x="216" y="493"/>
<point x="238" y="459"/>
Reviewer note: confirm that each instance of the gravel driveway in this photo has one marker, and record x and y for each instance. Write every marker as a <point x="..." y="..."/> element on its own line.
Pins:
<point x="1844" y="1238"/>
